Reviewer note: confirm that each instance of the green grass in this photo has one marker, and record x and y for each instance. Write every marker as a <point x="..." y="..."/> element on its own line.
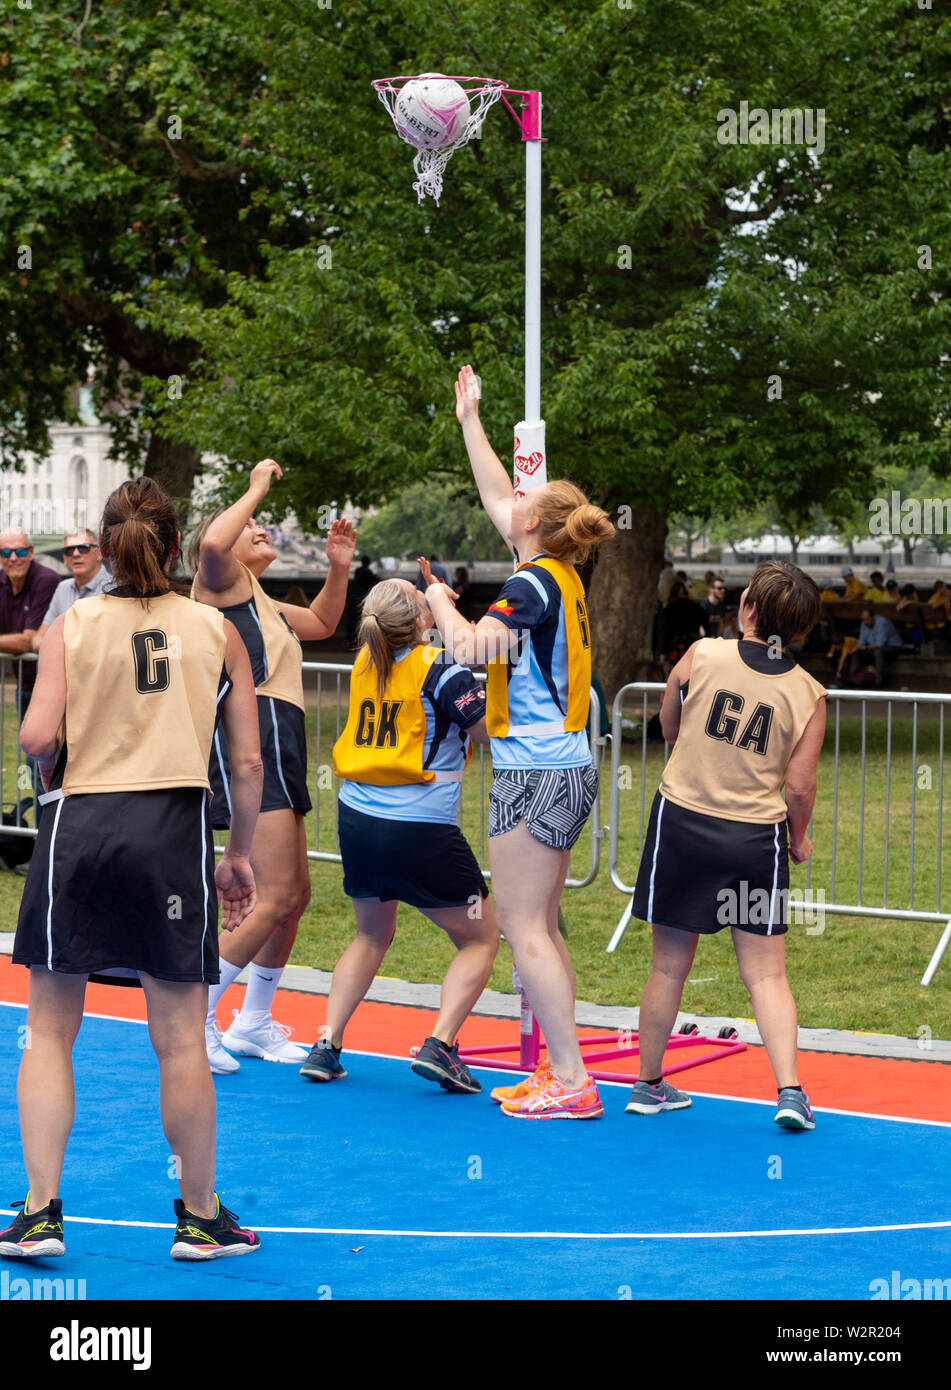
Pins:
<point x="857" y="973"/>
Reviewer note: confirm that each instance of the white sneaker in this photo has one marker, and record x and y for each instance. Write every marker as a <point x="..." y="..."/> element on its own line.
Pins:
<point x="269" y="1041"/>
<point x="221" y="1062"/>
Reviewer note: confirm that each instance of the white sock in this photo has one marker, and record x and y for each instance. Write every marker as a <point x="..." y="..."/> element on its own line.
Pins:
<point x="229" y="973"/>
<point x="263" y="981"/>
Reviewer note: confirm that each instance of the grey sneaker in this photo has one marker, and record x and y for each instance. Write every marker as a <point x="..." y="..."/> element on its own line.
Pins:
<point x="323" y="1063"/>
<point x="794" y="1111"/>
<point x="650" y="1100"/>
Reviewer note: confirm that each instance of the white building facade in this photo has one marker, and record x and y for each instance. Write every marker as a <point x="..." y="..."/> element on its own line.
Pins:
<point x="66" y="490"/>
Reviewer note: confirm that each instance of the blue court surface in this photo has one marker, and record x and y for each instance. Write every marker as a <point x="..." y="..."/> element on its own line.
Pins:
<point x="385" y="1187"/>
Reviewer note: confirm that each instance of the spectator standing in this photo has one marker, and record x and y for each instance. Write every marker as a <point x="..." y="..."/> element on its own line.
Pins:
<point x="463" y="587"/>
<point x="360" y="585"/>
<point x="82" y="556"/>
<point x="26" y="589"/>
<point x="714" y="607"/>
<point x="667" y="578"/>
<point x="681" y="623"/>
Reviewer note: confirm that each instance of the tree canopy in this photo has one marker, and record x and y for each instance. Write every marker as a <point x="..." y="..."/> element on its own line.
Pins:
<point x="213" y="195"/>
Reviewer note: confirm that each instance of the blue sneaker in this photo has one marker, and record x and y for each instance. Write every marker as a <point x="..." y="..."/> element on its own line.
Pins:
<point x="794" y="1111"/>
<point x="650" y="1100"/>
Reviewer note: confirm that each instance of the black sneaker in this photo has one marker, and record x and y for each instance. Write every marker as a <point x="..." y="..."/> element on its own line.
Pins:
<point x="437" y="1062"/>
<point x="40" y="1233"/>
<point x="207" y="1238"/>
<point x="323" y="1063"/>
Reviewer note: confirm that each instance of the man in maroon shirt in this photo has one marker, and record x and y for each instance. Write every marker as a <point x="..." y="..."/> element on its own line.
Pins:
<point x="26" y="588"/>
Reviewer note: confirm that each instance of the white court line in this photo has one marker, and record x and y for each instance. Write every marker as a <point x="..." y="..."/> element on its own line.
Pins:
<point x="536" y="1235"/>
<point x="501" y="1071"/>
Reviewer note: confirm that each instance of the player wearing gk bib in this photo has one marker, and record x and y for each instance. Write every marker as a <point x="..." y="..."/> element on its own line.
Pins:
<point x="123" y="878"/>
<point x="536" y="639"/>
<point x="745" y="722"/>
<point x="412" y="715"/>
<point x="227" y="555"/>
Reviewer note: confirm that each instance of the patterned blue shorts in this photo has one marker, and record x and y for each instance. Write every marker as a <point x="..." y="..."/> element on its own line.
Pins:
<point x="553" y="802"/>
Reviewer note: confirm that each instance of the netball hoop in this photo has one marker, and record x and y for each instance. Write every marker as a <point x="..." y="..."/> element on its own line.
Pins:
<point x="435" y="117"/>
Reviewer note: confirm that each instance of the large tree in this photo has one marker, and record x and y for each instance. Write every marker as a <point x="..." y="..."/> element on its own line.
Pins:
<point x="724" y="323"/>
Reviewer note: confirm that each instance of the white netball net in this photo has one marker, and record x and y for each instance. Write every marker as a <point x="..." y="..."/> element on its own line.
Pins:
<point x="429" y="165"/>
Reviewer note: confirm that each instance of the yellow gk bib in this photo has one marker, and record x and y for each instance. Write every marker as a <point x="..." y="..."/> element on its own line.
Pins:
<point x="578" y="635"/>
<point x="384" y="740"/>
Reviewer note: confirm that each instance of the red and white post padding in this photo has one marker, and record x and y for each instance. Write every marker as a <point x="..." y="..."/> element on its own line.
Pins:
<point x="529" y="464"/>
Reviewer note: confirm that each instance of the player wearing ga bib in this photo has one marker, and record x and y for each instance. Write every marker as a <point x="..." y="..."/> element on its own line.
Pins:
<point x="402" y="755"/>
<point x="733" y="808"/>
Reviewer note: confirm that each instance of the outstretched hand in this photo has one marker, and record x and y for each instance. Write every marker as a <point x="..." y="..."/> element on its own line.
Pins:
<point x="428" y="579"/>
<point x="467" y="395"/>
<point x="262" y="475"/>
<point x="341" y="543"/>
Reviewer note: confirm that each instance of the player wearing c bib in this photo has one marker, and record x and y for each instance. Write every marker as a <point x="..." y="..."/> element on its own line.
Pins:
<point x="536" y="639"/>
<point x="123" y="878"/>
<point x="745" y="722"/>
<point x="412" y="715"/>
<point x="227" y="555"/>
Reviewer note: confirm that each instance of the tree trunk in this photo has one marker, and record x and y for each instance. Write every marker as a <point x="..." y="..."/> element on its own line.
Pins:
<point x="622" y="598"/>
<point x="174" y="467"/>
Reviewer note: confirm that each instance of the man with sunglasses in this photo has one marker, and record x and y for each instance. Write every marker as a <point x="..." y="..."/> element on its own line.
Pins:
<point x="83" y="559"/>
<point x="26" y="588"/>
<point x="714" y="606"/>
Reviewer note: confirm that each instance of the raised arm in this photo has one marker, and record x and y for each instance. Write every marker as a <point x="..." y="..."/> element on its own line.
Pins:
<point x="495" y="488"/>
<point x="220" y="577"/>
<point x="320" y="620"/>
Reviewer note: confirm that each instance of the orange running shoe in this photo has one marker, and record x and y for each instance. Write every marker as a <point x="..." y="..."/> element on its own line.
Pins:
<point x="502" y="1093"/>
<point x="550" y="1099"/>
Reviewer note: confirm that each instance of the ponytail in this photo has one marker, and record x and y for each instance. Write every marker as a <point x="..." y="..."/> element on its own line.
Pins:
<point x="138" y="534"/>
<point x="387" y="625"/>
<point x="571" y="526"/>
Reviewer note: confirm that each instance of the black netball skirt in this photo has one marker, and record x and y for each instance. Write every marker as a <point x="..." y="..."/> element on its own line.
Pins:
<point x="283" y="753"/>
<point x="123" y="881"/>
<point x="703" y="873"/>
<point x="423" y="863"/>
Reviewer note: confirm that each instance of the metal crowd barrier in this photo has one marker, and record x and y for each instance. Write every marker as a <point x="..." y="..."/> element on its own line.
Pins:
<point x="896" y="807"/>
<point x="328" y="683"/>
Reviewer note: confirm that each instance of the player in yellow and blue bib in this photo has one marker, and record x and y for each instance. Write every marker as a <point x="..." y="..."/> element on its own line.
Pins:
<point x="402" y="753"/>
<point x="536" y="639"/>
